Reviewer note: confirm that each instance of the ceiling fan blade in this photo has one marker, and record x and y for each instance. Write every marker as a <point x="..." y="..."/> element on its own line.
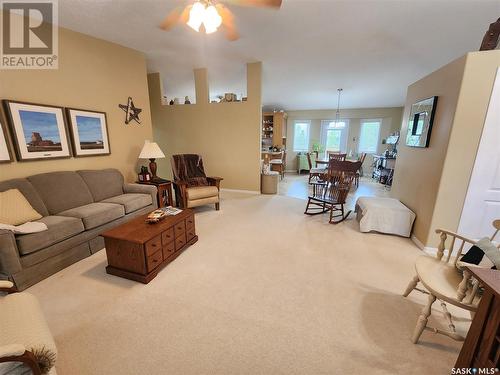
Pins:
<point x="174" y="17"/>
<point x="228" y="22"/>
<point x="256" y="3"/>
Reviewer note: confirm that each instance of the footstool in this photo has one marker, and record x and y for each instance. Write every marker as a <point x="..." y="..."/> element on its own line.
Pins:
<point x="384" y="215"/>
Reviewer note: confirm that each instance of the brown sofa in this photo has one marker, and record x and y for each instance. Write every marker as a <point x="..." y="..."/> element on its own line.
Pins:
<point x="76" y="207"/>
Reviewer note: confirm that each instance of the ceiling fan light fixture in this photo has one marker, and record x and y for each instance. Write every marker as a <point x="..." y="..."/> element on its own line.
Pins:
<point x="196" y="16"/>
<point x="211" y="20"/>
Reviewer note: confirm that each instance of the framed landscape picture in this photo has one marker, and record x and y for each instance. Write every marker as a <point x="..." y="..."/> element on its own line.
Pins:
<point x="5" y="155"/>
<point x="38" y="131"/>
<point x="89" y="132"/>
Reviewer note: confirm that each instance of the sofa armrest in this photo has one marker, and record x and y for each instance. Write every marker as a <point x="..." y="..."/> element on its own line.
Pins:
<point x="142" y="189"/>
<point x="10" y="262"/>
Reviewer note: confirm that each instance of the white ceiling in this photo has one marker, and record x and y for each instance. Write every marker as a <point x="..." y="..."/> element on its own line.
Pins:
<point x="373" y="49"/>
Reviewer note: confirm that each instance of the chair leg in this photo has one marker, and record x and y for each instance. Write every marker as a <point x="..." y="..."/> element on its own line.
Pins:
<point x="217" y="206"/>
<point x="413" y="283"/>
<point x="423" y="318"/>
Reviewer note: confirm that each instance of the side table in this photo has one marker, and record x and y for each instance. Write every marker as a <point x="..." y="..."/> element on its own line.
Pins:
<point x="164" y="191"/>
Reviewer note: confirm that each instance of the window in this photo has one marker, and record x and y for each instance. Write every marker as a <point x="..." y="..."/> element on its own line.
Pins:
<point x="301" y="136"/>
<point x="369" y="135"/>
<point x="334" y="135"/>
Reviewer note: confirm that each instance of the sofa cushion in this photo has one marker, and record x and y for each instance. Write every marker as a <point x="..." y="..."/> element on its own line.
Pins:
<point x="61" y="191"/>
<point x="15" y="209"/>
<point x="59" y="228"/>
<point x="95" y="214"/>
<point x="131" y="201"/>
<point x="29" y="192"/>
<point x="200" y="192"/>
<point x="103" y="184"/>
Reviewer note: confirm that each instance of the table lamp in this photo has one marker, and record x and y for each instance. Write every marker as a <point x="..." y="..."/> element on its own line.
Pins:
<point x="151" y="151"/>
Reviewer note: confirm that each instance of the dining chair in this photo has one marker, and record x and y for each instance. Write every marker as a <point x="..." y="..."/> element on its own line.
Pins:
<point x="445" y="279"/>
<point x="315" y="173"/>
<point x="337" y="156"/>
<point x="359" y="173"/>
<point x="277" y="162"/>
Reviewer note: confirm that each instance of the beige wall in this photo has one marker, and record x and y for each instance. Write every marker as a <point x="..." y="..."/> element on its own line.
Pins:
<point x="391" y="122"/>
<point x="433" y="181"/>
<point x="96" y="75"/>
<point x="470" y="115"/>
<point x="227" y="135"/>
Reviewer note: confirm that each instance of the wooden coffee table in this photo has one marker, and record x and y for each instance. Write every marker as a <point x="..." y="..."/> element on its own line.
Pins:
<point x="137" y="250"/>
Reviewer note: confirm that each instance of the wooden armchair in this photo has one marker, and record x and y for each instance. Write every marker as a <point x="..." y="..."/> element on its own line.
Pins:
<point x="330" y="195"/>
<point x="442" y="280"/>
<point x="24" y="327"/>
<point x="192" y="187"/>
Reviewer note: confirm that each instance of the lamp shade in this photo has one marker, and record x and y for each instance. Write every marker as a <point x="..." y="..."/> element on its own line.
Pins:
<point x="151" y="150"/>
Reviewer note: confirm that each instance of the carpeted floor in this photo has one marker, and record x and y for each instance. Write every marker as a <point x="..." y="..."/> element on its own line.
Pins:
<point x="266" y="290"/>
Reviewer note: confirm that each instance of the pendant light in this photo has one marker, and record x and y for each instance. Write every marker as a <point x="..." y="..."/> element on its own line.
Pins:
<point x="337" y="114"/>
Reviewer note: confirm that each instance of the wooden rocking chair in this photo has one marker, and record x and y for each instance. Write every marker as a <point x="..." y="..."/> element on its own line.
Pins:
<point x="442" y="281"/>
<point x="330" y="195"/>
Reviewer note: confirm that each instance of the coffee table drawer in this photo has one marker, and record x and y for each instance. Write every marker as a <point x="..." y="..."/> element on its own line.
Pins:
<point x="179" y="229"/>
<point x="167" y="236"/>
<point x="180" y="242"/>
<point x="152" y="246"/>
<point x="190" y="222"/>
<point x="168" y="249"/>
<point x="190" y="233"/>
<point x="154" y="260"/>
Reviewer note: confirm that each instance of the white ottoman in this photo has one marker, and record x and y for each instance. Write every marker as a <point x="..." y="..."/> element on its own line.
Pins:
<point x="384" y="215"/>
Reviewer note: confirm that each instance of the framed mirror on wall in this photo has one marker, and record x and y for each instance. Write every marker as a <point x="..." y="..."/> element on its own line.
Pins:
<point x="420" y="122"/>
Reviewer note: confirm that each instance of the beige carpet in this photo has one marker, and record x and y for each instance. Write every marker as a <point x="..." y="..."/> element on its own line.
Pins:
<point x="266" y="290"/>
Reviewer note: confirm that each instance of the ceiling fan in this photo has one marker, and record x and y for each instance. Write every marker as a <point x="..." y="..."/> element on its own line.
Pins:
<point x="211" y="14"/>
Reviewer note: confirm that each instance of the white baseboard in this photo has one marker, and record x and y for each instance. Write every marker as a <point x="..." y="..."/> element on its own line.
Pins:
<point x="429" y="250"/>
<point x="417" y="242"/>
<point x="255" y="192"/>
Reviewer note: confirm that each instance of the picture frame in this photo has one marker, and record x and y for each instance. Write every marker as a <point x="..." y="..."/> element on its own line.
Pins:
<point x="39" y="131"/>
<point x="420" y="122"/>
<point x="89" y="132"/>
<point x="5" y="152"/>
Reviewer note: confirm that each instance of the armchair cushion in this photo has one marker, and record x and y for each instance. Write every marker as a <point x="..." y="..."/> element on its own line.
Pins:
<point x="131" y="201"/>
<point x="200" y="192"/>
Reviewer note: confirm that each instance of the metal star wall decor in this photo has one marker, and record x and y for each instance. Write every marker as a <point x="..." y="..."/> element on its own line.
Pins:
<point x="131" y="111"/>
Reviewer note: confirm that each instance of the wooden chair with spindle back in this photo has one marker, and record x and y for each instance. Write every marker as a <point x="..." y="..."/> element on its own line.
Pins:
<point x="315" y="173"/>
<point x="330" y="195"/>
<point x="442" y="280"/>
<point x="277" y="162"/>
<point x="336" y="156"/>
<point x="359" y="173"/>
